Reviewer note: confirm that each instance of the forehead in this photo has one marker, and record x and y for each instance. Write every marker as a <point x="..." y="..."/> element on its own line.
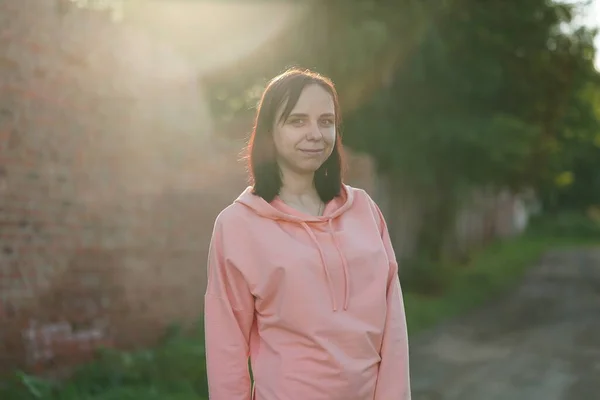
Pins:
<point x="314" y="99"/>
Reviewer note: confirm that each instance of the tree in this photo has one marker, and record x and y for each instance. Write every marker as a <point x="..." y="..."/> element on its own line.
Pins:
<point x="478" y="102"/>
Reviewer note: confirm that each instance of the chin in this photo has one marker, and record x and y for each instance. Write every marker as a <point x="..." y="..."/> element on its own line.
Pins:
<point x="306" y="168"/>
<point x="311" y="167"/>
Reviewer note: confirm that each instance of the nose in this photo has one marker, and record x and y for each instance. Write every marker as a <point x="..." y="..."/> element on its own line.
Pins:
<point x="314" y="132"/>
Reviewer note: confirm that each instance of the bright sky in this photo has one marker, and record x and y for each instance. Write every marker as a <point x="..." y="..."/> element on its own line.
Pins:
<point x="592" y="19"/>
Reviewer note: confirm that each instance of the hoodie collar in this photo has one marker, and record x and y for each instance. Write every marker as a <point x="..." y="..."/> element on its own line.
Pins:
<point x="261" y="207"/>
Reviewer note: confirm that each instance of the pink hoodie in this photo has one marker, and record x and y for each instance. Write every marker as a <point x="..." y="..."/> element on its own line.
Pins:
<point x="315" y="302"/>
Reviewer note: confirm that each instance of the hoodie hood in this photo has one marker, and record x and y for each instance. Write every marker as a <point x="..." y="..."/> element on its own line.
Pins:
<point x="260" y="206"/>
<point x="278" y="211"/>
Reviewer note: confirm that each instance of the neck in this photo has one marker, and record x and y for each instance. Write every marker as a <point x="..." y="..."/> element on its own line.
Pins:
<point x="296" y="185"/>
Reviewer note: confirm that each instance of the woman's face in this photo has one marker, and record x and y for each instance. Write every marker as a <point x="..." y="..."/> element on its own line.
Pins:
<point x="306" y="138"/>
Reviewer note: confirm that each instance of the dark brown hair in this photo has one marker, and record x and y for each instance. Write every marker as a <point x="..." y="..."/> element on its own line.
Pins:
<point x="264" y="172"/>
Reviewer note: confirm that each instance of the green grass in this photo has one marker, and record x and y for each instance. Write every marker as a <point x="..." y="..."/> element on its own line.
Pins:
<point x="175" y="370"/>
<point x="489" y="273"/>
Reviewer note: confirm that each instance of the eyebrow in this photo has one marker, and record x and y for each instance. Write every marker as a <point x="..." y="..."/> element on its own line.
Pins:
<point x="303" y="115"/>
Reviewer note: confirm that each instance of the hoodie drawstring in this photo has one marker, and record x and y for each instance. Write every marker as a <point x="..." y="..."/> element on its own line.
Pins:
<point x="344" y="265"/>
<point x="325" y="267"/>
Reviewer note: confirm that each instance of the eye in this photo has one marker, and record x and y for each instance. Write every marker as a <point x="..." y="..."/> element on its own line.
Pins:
<point x="296" y="121"/>
<point x="327" y="122"/>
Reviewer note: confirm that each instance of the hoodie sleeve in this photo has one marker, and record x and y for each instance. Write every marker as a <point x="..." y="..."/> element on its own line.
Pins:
<point x="228" y="318"/>
<point x="393" y="381"/>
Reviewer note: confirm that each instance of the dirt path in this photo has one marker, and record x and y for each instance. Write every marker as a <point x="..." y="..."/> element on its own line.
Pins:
<point x="540" y="341"/>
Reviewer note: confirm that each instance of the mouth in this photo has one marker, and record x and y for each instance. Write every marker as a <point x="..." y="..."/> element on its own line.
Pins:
<point x="312" y="151"/>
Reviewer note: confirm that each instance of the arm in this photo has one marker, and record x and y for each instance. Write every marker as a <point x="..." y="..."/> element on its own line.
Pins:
<point x="393" y="381"/>
<point x="228" y="318"/>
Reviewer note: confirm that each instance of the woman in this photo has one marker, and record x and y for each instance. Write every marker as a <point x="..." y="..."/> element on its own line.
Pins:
<point x="302" y="277"/>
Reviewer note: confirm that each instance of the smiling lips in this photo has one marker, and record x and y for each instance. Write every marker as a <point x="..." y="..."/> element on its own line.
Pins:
<point x="313" y="151"/>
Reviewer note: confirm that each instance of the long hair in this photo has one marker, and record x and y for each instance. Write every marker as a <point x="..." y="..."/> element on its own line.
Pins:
<point x="263" y="170"/>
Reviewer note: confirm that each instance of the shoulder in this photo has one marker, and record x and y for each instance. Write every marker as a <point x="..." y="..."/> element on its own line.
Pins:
<point x="233" y="215"/>
<point x="361" y="197"/>
<point x="363" y="201"/>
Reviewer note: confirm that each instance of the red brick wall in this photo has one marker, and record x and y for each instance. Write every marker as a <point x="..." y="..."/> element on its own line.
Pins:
<point x="109" y="186"/>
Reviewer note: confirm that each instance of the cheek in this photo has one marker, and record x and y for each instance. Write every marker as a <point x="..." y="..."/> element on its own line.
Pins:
<point x="285" y="140"/>
<point x="329" y="136"/>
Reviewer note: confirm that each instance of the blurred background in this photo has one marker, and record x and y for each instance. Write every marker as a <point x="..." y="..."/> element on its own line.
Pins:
<point x="473" y="124"/>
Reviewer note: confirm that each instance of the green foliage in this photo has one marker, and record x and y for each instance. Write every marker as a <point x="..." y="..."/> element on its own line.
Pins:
<point x="575" y="155"/>
<point x="485" y="99"/>
<point x="568" y="224"/>
<point x="174" y="370"/>
<point x="424" y="276"/>
<point x="465" y="97"/>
